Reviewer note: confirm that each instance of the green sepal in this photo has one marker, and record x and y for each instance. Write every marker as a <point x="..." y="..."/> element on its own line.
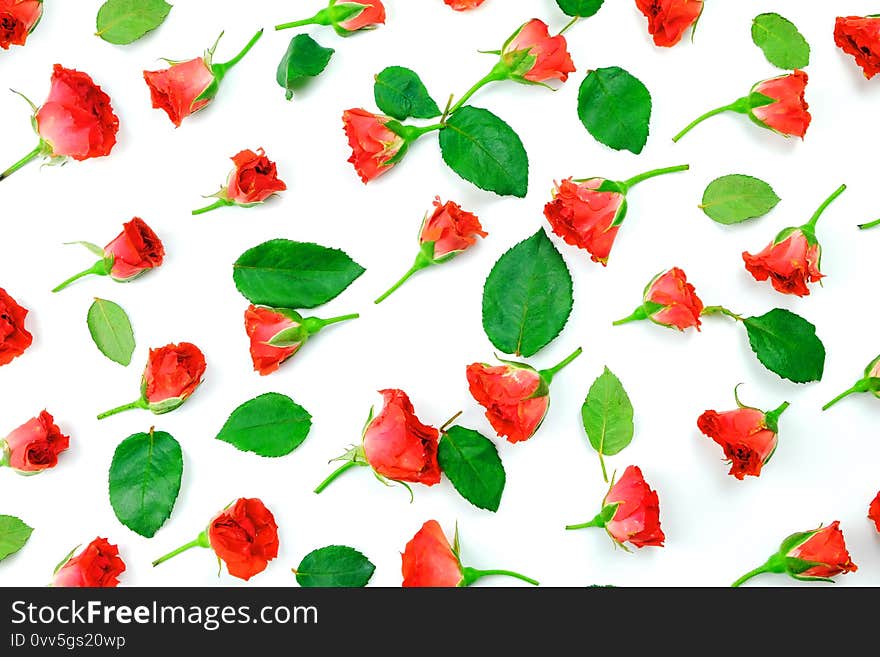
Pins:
<point x="334" y="14"/>
<point x="795" y="540"/>
<point x="166" y="406"/>
<point x="785" y="233"/>
<point x="66" y="558"/>
<point x="771" y="420"/>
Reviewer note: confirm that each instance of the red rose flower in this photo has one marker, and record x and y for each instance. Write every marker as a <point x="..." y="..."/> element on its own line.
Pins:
<point x="14" y="337"/>
<point x="371" y="16"/>
<point x="870" y="382"/>
<point x="18" y="18"/>
<point x="34" y="446"/>
<point x="533" y="55"/>
<point x="345" y="16"/>
<point x="244" y="536"/>
<point x="670" y="301"/>
<point x="859" y="36"/>
<point x="463" y="5"/>
<point x="669" y="19"/>
<point x="630" y="512"/>
<point x="374" y="147"/>
<point x="97" y="566"/>
<point x="252" y="181"/>
<point x="874" y="512"/>
<point x="585" y="217"/>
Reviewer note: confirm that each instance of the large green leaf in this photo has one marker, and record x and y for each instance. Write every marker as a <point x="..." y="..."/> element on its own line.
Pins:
<point x="787" y="344"/>
<point x="615" y="108"/>
<point x="471" y="462"/>
<point x="304" y="58"/>
<point x="287" y="274"/>
<point x="400" y="92"/>
<point x="269" y="425"/>
<point x="582" y="8"/>
<point x="484" y="150"/>
<point x="124" y="21"/>
<point x="783" y="45"/>
<point x="735" y="198"/>
<point x="145" y="479"/>
<point x="608" y="415"/>
<point x="111" y="331"/>
<point x="14" y="533"/>
<point x="527" y="297"/>
<point x="334" y="566"/>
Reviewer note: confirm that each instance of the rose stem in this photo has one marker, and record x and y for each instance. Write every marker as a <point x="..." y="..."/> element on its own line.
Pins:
<point x="860" y="386"/>
<point x="498" y="72"/>
<point x="870" y="224"/>
<point x="553" y="371"/>
<point x="733" y="107"/>
<point x="828" y="201"/>
<point x="199" y="541"/>
<point x="299" y="23"/>
<point x="220" y="70"/>
<point x="219" y="203"/>
<point x="471" y="575"/>
<point x="333" y="475"/>
<point x="18" y="165"/>
<point x="140" y="403"/>
<point x="635" y="180"/>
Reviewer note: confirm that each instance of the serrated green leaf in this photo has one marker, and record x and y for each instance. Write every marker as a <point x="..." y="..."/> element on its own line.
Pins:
<point x="527" y="297"/>
<point x="111" y="331"/>
<point x="484" y="150"/>
<point x="607" y="415"/>
<point x="287" y="274"/>
<point x="615" y="107"/>
<point x="582" y="8"/>
<point x="14" y="533"/>
<point x="735" y="198"/>
<point x="145" y="477"/>
<point x="124" y="21"/>
<point x="783" y="45"/>
<point x="400" y="92"/>
<point x="471" y="462"/>
<point x="334" y="566"/>
<point x="303" y="59"/>
<point x="269" y="425"/>
<point x="787" y="345"/>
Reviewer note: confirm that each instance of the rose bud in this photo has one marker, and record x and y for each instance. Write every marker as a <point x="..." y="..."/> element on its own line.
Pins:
<point x="276" y="334"/>
<point x="97" y="566"/>
<point x="870" y="382"/>
<point x="587" y="212"/>
<point x="812" y="556"/>
<point x="859" y="36"/>
<point x="14" y="337"/>
<point x="395" y="444"/>
<point x="630" y="512"/>
<point x="792" y="259"/>
<point x="429" y="560"/>
<point x="747" y="435"/>
<point x="776" y="104"/>
<point x="345" y="17"/>
<point x="18" y="18"/>
<point x="531" y="55"/>
<point x="34" y="446"/>
<point x="251" y="182"/>
<point x="874" y="512"/>
<point x="76" y="121"/>
<point x="668" y="20"/>
<point x="444" y="234"/>
<point x="136" y="250"/>
<point x="669" y="300"/>
<point x="516" y="396"/>
<point x="172" y="374"/>
<point x="377" y="142"/>
<point x="244" y="536"/>
<point x="188" y="86"/>
<point x="463" y="5"/>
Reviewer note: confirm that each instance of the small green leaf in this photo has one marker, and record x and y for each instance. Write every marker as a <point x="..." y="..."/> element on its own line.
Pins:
<point x="111" y="331"/>
<point x="608" y="415"/>
<point x="269" y="425"/>
<point x="527" y="297"/>
<point x="484" y="150"/>
<point x="787" y="345"/>
<point x="783" y="45"/>
<point x="304" y="58"/>
<point x="124" y="21"/>
<point x="582" y="8"/>
<point x="472" y="464"/>
<point x="399" y="92"/>
<point x="145" y="480"/>
<point x="735" y="198"/>
<point x="334" y="566"/>
<point x="13" y="535"/>
<point x="287" y="274"/>
<point x="615" y="108"/>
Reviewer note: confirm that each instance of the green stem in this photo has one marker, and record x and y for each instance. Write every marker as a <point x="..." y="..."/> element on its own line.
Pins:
<point x="333" y="475"/>
<point x="498" y="72"/>
<point x="721" y="310"/>
<point x="637" y="315"/>
<point x="860" y="386"/>
<point x="100" y="268"/>
<point x="336" y="320"/>
<point x="733" y="107"/>
<point x="569" y="25"/>
<point x="299" y="23"/>
<point x="140" y="403"/>
<point x="549" y="373"/>
<point x="635" y="180"/>
<point x="220" y="70"/>
<point x="828" y="201"/>
<point x="471" y="575"/>
<point x="604" y="471"/>
<point x="870" y="224"/>
<point x="771" y="418"/>
<point x="598" y="521"/>
<point x="752" y="573"/>
<point x="449" y="422"/>
<point x="219" y="203"/>
<point x="27" y="158"/>
<point x="422" y="261"/>
<point x="199" y="541"/>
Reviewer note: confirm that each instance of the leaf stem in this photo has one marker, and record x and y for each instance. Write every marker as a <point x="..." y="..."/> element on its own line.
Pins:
<point x="450" y="421"/>
<point x="100" y="268"/>
<point x="604" y="472"/>
<point x="721" y="310"/>
<point x="870" y="224"/>
<point x="333" y="475"/>
<point x="199" y="541"/>
<point x="733" y="107"/>
<point x="828" y="201"/>
<point x="140" y="403"/>
<point x="569" y="25"/>
<point x="471" y="575"/>
<point x="219" y="203"/>
<point x="549" y="373"/>
<point x="635" y="180"/>
<point x="498" y="72"/>
<point x="220" y="70"/>
<point x="27" y="158"/>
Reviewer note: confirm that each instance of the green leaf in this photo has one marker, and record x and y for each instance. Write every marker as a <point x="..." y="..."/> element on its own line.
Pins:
<point x="582" y="8"/>
<point x="269" y="425"/>
<point x="304" y="58"/>
<point x="111" y="331"/>
<point x="615" y="108"/>
<point x="484" y="150"/>
<point x="783" y="45"/>
<point x="735" y="198"/>
<point x="334" y="566"/>
<point x="124" y="21"/>
<point x="787" y="344"/>
<point x="472" y="464"/>
<point x="13" y="535"/>
<point x="145" y="479"/>
<point x="287" y="274"/>
<point x="527" y="297"/>
<point x="399" y="92"/>
<point x="608" y="415"/>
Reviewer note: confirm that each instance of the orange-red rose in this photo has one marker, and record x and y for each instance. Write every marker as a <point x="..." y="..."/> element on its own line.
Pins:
<point x="428" y="559"/>
<point x="372" y="15"/>
<point x="172" y="374"/>
<point x="135" y="250"/>
<point x="790" y="264"/>
<point x="669" y="19"/>
<point x="533" y="55"/>
<point x="859" y="36"/>
<point x="245" y="537"/>
<point x="515" y="397"/>
<point x="254" y="179"/>
<point x="789" y="113"/>
<point x="177" y="90"/>
<point x="450" y="229"/>
<point x="14" y="337"/>
<point x="874" y="511"/>
<point x="825" y="551"/>
<point x="463" y="5"/>
<point x="585" y="217"/>
<point x="18" y="18"/>
<point x="261" y="325"/>
<point x="34" y="446"/>
<point x="97" y="566"/>
<point x="374" y="147"/>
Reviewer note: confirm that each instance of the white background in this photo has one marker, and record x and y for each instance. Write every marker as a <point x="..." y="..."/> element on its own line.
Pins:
<point x="422" y="338"/>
